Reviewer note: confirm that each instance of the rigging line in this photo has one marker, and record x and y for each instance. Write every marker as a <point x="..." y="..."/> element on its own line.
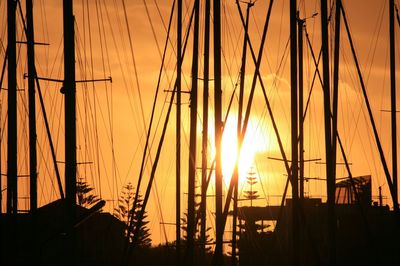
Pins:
<point x="49" y="136"/>
<point x="161" y="213"/>
<point x="46" y="166"/>
<point x="228" y="67"/>
<point x="105" y="84"/>
<point x="343" y="153"/>
<point x="248" y="109"/>
<point x="90" y="116"/>
<point x="212" y="168"/>
<point x="155" y="99"/>
<point x="397" y="15"/>
<point x="186" y="40"/>
<point x="288" y="169"/>
<point x="233" y="43"/>
<point x="373" y="47"/>
<point x="144" y="161"/>
<point x="152" y="26"/>
<point x="88" y="132"/>
<point x="94" y="103"/>
<point x="316" y="63"/>
<point x="154" y="33"/>
<point x="134" y="63"/>
<point x="3" y="47"/>
<point x="342" y="149"/>
<point x="377" y="140"/>
<point x="159" y="13"/>
<point x="44" y="116"/>
<point x="366" y="224"/>
<point x="128" y="248"/>
<point x="133" y="110"/>
<point x="159" y="147"/>
<point x="259" y="35"/>
<point x="356" y="117"/>
<point x="109" y="95"/>
<point x="3" y="69"/>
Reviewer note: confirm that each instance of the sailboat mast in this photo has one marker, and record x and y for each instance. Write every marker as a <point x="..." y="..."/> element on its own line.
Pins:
<point x="217" y="260"/>
<point x="328" y="136"/>
<point x="12" y="182"/>
<point x="239" y="135"/>
<point x="335" y="87"/>
<point x="32" y="106"/>
<point x="294" y="132"/>
<point x="300" y="24"/>
<point x="203" y="206"/>
<point x="393" y="98"/>
<point x="70" y="127"/>
<point x="178" y="132"/>
<point x="191" y="225"/>
<point x="70" y="111"/>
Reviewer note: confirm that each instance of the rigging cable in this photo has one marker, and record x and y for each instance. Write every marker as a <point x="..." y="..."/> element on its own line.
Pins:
<point x="383" y="160"/>
<point x="140" y="216"/>
<point x="45" y="116"/>
<point x="134" y="63"/>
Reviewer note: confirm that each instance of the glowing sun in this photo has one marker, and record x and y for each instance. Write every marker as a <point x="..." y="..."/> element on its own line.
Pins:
<point x="254" y="142"/>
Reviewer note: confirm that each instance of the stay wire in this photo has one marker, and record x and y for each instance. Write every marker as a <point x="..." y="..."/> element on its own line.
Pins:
<point x="44" y="114"/>
<point x="154" y="106"/>
<point x="134" y="63"/>
<point x="140" y="216"/>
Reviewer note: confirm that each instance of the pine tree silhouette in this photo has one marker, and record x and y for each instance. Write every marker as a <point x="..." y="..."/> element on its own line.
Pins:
<point x="124" y="210"/>
<point x="197" y="233"/>
<point x="84" y="193"/>
<point x="251" y="179"/>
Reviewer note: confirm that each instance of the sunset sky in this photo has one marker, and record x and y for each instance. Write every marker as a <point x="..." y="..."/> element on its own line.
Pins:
<point x="112" y="118"/>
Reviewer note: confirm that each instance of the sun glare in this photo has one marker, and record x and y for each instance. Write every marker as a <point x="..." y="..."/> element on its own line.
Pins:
<point x="254" y="142"/>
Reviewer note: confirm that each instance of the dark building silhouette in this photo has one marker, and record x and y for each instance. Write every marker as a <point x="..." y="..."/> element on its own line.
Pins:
<point x="367" y="234"/>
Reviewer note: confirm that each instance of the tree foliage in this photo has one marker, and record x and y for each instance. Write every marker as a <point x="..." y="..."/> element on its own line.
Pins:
<point x="84" y="192"/>
<point x="197" y="232"/>
<point x="124" y="212"/>
<point x="251" y="180"/>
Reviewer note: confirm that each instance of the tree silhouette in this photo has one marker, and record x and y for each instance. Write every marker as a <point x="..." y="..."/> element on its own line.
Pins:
<point x="197" y="233"/>
<point x="84" y="193"/>
<point x="251" y="179"/>
<point x="124" y="210"/>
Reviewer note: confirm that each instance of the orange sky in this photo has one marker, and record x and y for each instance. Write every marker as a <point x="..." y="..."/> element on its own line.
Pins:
<point x="111" y="123"/>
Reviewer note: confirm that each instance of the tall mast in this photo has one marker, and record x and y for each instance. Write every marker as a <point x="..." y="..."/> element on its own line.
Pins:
<point x="70" y="111"/>
<point x="191" y="226"/>
<point x="328" y="136"/>
<point x="12" y="190"/>
<point x="393" y="98"/>
<point x="294" y="132"/>
<point x="239" y="135"/>
<point x="217" y="260"/>
<point x="178" y="132"/>
<point x="335" y="87"/>
<point x="32" y="106"/>
<point x="300" y="24"/>
<point x="203" y="206"/>
<point x="371" y="117"/>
